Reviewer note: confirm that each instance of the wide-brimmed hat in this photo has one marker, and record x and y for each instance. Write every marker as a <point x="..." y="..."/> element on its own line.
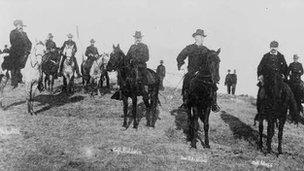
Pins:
<point x="40" y="42"/>
<point x="199" y="32"/>
<point x="274" y="44"/>
<point x="138" y="34"/>
<point x="295" y="56"/>
<point x="70" y="35"/>
<point x="19" y="22"/>
<point x="92" y="41"/>
<point x="50" y="35"/>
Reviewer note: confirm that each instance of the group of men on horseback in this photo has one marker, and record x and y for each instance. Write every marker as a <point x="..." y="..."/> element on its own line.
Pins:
<point x="272" y="68"/>
<point x="273" y="72"/>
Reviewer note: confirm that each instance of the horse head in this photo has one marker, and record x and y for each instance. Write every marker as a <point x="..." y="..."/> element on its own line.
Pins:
<point x="68" y="51"/>
<point x="212" y="65"/>
<point x="116" y="58"/>
<point x="36" y="55"/>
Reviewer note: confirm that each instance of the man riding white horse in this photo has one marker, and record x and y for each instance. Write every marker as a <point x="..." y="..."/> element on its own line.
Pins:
<point x="197" y="55"/>
<point x="69" y="42"/>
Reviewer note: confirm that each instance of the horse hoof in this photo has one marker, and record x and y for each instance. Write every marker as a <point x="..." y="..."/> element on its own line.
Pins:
<point x="207" y="146"/>
<point x="135" y="126"/>
<point x="280" y="151"/>
<point x="193" y="146"/>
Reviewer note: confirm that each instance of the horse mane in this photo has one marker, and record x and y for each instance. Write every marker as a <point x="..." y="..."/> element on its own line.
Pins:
<point x="214" y="62"/>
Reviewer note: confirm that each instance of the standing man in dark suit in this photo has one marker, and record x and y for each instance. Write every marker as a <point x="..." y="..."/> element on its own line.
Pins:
<point x="20" y="49"/>
<point x="161" y="72"/>
<point x="228" y="81"/>
<point x="234" y="82"/>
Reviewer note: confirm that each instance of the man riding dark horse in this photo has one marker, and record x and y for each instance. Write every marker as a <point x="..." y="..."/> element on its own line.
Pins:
<point x="69" y="42"/>
<point x="138" y="55"/>
<point x="272" y="71"/>
<point x="91" y="52"/>
<point x="197" y="55"/>
<point x="295" y="71"/>
<point x="50" y="45"/>
<point x="20" y="49"/>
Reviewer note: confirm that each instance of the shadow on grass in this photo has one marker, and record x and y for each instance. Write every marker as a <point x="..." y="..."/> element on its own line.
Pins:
<point x="240" y="129"/>
<point x="181" y="120"/>
<point x="55" y="100"/>
<point x="14" y="104"/>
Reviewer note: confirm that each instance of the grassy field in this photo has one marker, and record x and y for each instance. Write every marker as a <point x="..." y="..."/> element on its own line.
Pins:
<point x="79" y="132"/>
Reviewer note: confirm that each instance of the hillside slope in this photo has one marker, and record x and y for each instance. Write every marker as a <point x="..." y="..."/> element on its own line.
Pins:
<point x="83" y="133"/>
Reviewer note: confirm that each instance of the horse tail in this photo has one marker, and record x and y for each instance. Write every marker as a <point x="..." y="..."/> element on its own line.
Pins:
<point x="292" y="105"/>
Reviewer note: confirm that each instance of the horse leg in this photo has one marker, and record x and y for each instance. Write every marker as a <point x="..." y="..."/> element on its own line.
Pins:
<point x="52" y="83"/>
<point x="148" y="111"/>
<point x="134" y="111"/>
<point x="64" y="88"/>
<point x="261" y="127"/>
<point x="45" y="81"/>
<point x="29" y="98"/>
<point x="270" y="133"/>
<point x="280" y="134"/>
<point x="194" y="126"/>
<point x="125" y="110"/>
<point x="206" y="126"/>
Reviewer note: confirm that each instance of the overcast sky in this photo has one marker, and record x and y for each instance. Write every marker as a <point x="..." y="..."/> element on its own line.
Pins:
<point x="243" y="29"/>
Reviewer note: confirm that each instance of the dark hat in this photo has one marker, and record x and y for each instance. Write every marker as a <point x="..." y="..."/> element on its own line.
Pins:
<point x="274" y="44"/>
<point x="18" y="22"/>
<point x="50" y="35"/>
<point x="295" y="56"/>
<point x="70" y="35"/>
<point x="92" y="41"/>
<point x="199" y="32"/>
<point x="161" y="61"/>
<point x="5" y="45"/>
<point x="138" y="34"/>
<point x="229" y="70"/>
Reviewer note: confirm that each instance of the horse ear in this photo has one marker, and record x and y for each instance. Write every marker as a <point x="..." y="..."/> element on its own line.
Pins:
<point x="114" y="46"/>
<point x="118" y="46"/>
<point x="218" y="51"/>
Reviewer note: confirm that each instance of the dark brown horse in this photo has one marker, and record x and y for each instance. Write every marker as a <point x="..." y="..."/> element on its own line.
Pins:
<point x="275" y="109"/>
<point x="201" y="92"/>
<point x="50" y="65"/>
<point x="130" y="87"/>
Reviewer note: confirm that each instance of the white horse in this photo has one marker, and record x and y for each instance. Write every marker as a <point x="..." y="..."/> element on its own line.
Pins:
<point x="98" y="72"/>
<point x="68" y="68"/>
<point x="4" y="76"/>
<point x="32" y="73"/>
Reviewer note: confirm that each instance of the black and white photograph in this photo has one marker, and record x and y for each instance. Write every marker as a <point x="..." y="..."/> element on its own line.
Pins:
<point x="151" y="85"/>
